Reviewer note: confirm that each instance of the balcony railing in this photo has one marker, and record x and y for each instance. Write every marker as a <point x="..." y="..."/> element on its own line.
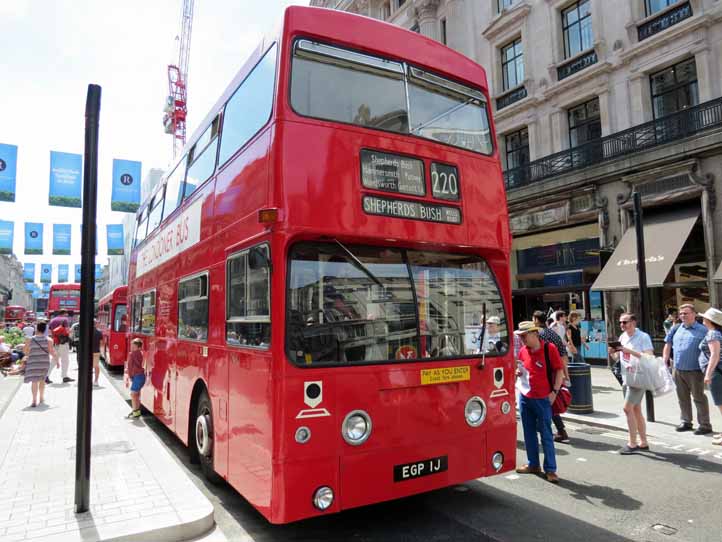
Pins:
<point x="510" y="98"/>
<point x="576" y="65"/>
<point x="638" y="138"/>
<point x="664" y="21"/>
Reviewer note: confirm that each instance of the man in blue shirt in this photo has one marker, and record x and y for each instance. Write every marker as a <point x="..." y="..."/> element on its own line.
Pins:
<point x="683" y="340"/>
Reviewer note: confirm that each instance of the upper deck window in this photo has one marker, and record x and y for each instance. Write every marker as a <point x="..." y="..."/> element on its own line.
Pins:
<point x="346" y="86"/>
<point x="202" y="158"/>
<point x="248" y="110"/>
<point x="361" y="304"/>
<point x="174" y="188"/>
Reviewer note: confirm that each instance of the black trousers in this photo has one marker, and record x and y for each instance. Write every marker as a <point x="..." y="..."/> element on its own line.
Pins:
<point x="558" y="422"/>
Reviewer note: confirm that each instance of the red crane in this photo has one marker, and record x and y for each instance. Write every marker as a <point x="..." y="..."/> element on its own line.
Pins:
<point x="176" y="107"/>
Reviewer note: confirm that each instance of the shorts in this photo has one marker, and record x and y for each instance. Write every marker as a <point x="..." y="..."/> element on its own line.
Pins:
<point x="633" y="395"/>
<point x="137" y="382"/>
<point x="715" y="388"/>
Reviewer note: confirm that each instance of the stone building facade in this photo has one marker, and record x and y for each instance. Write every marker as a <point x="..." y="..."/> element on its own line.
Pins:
<point x="11" y="282"/>
<point x="592" y="100"/>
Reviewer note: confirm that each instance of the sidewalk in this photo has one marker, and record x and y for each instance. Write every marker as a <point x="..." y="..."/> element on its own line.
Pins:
<point x="608" y="401"/>
<point x="138" y="491"/>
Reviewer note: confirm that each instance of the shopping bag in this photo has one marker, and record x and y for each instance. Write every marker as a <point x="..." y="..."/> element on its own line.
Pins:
<point x="638" y="374"/>
<point x="667" y="385"/>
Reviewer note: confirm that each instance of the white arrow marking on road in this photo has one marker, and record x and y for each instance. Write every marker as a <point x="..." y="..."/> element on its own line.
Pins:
<point x="581" y="459"/>
<point x="512" y="477"/>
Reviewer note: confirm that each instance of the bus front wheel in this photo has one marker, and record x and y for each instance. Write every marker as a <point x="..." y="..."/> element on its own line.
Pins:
<point x="203" y="438"/>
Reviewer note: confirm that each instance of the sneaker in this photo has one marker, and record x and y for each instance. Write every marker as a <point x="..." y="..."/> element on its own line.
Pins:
<point x="131" y="415"/>
<point x="552" y="477"/>
<point x="684" y="426"/>
<point x="135" y="414"/>
<point x="562" y="437"/>
<point x="527" y="469"/>
<point x="68" y="379"/>
<point x="628" y="450"/>
<point x="703" y="431"/>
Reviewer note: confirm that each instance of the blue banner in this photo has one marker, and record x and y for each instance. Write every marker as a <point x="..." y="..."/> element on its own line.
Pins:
<point x="8" y="171"/>
<point x="63" y="272"/>
<point x="77" y="272"/>
<point x="98" y="271"/>
<point x="29" y="272"/>
<point x="46" y="288"/>
<point x="29" y="287"/>
<point x="65" y="176"/>
<point x="33" y="238"/>
<point x="46" y="272"/>
<point x="61" y="239"/>
<point x="115" y="239"/>
<point x="126" y="186"/>
<point x="6" y="237"/>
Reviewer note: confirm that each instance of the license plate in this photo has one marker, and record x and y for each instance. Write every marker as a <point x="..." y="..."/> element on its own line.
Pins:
<point x="417" y="469"/>
<point x="441" y="375"/>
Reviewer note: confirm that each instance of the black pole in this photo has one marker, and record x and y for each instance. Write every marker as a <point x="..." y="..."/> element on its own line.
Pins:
<point x="643" y="290"/>
<point x="87" y="294"/>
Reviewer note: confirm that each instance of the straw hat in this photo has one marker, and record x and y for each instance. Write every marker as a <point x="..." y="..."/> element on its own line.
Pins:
<point x="714" y="316"/>
<point x="493" y="320"/>
<point x="526" y="327"/>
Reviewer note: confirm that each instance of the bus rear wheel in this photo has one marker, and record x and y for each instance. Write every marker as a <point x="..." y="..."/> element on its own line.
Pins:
<point x="203" y="438"/>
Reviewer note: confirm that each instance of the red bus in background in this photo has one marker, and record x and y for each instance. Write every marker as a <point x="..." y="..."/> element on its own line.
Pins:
<point x="63" y="297"/>
<point x="30" y="317"/>
<point x="14" y="315"/>
<point x="113" y="322"/>
<point x="312" y="278"/>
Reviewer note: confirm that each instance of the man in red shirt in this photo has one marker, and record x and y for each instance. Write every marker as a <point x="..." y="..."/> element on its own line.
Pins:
<point x="537" y="396"/>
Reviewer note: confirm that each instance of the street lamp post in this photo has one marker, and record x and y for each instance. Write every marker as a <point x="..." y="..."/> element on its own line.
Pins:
<point x="643" y="291"/>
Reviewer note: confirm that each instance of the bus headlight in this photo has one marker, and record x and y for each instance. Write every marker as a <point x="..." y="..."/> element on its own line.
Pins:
<point x="475" y="411"/>
<point x="303" y="435"/>
<point x="323" y="498"/>
<point x="497" y="461"/>
<point x="505" y="407"/>
<point x="356" y="427"/>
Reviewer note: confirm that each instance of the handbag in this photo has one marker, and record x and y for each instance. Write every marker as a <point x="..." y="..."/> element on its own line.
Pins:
<point x="564" y="397"/>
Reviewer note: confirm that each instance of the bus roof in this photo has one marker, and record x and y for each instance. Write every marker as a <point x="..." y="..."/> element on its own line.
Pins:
<point x="117" y="294"/>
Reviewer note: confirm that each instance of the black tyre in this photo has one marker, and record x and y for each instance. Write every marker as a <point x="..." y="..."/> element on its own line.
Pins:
<point x="203" y="438"/>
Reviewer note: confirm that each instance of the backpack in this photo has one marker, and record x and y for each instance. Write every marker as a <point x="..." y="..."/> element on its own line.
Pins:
<point x="564" y="397"/>
<point x="61" y="335"/>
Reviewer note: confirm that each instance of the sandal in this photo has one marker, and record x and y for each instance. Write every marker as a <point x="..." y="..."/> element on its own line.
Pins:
<point x="628" y="450"/>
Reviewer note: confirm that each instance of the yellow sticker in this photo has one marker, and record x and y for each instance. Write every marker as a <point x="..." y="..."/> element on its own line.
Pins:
<point x="439" y="375"/>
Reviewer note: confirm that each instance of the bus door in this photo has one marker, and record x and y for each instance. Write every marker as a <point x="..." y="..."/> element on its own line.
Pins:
<point x="248" y="333"/>
<point x="118" y="344"/>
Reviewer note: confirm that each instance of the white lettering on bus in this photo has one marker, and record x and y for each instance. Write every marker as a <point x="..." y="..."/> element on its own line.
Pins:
<point x="179" y="235"/>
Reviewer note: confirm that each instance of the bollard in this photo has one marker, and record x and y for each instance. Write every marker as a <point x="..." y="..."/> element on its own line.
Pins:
<point x="580" y="375"/>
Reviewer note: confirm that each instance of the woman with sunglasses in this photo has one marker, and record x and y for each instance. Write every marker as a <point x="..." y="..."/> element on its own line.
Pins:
<point x="634" y="342"/>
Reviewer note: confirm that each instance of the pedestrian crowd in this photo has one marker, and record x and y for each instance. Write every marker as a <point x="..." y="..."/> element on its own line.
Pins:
<point x="545" y="346"/>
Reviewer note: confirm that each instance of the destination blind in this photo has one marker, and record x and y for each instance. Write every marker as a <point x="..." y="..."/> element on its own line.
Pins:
<point x="392" y="173"/>
<point x="411" y="209"/>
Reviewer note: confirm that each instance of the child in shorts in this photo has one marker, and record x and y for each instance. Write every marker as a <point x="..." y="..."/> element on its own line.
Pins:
<point x="135" y="376"/>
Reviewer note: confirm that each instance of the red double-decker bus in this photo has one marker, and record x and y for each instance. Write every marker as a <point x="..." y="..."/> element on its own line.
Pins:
<point x="312" y="278"/>
<point x="63" y="297"/>
<point x="14" y="315"/>
<point x="113" y="323"/>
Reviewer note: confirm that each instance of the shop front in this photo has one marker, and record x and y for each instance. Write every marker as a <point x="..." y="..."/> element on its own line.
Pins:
<point x="676" y="264"/>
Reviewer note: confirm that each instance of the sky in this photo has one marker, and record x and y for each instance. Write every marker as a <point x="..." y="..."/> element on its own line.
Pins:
<point x="52" y="49"/>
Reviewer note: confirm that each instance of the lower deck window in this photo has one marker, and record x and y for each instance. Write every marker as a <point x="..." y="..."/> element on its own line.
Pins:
<point x="193" y="308"/>
<point x="248" y="315"/>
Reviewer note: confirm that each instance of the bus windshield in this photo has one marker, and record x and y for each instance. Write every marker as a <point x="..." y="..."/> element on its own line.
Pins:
<point x="398" y="304"/>
<point x="346" y="86"/>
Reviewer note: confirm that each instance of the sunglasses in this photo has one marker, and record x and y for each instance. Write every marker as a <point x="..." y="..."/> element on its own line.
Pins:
<point x="624" y="322"/>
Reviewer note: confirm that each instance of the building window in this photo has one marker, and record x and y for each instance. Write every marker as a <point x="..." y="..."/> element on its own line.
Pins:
<point x="416" y="28"/>
<point x="386" y="11"/>
<point x="674" y="88"/>
<point x="577" y="27"/>
<point x="504" y="4"/>
<point x="517" y="148"/>
<point x="512" y="64"/>
<point x="400" y="3"/>
<point x="443" y="31"/>
<point x="585" y="124"/>
<point x="653" y="6"/>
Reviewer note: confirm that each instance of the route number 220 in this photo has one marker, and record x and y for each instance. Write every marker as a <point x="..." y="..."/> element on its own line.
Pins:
<point x="444" y="181"/>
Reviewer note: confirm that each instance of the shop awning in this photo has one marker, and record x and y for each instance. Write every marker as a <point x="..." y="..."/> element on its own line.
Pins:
<point x="664" y="237"/>
<point x="718" y="275"/>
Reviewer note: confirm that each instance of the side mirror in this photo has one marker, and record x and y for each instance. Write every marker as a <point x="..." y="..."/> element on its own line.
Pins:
<point x="257" y="259"/>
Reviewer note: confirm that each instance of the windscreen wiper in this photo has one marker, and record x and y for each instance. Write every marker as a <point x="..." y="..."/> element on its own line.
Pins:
<point x="441" y="115"/>
<point x="359" y="264"/>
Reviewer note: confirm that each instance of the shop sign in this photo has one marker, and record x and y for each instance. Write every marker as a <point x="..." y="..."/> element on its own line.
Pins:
<point x="539" y="219"/>
<point x="560" y="257"/>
